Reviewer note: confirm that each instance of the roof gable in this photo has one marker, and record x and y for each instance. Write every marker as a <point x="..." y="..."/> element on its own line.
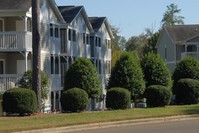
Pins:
<point x="15" y="4"/>
<point x="69" y="12"/>
<point x="181" y="33"/>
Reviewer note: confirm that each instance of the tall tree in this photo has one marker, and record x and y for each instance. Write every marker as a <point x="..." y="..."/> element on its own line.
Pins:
<point x="170" y="17"/>
<point x="36" y="48"/>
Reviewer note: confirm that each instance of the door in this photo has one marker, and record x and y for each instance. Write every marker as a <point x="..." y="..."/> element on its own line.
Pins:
<point x="2" y="66"/>
<point x="1" y="25"/>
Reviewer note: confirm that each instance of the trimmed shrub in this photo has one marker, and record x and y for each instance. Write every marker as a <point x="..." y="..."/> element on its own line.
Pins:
<point x="127" y="73"/>
<point x="118" y="98"/>
<point x="155" y="71"/>
<point x="26" y="82"/>
<point x="157" y="96"/>
<point x="19" y="100"/>
<point x="82" y="74"/>
<point x="187" y="68"/>
<point x="74" y="100"/>
<point x="187" y="91"/>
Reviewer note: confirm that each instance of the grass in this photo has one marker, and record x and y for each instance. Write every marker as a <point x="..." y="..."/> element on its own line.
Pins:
<point x="38" y="121"/>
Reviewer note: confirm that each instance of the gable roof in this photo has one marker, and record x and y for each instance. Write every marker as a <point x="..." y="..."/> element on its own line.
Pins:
<point x="97" y="22"/>
<point x="69" y="12"/>
<point x="15" y="4"/>
<point x="182" y="33"/>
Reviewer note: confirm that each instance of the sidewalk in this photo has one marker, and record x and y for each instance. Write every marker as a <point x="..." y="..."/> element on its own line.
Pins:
<point x="112" y="124"/>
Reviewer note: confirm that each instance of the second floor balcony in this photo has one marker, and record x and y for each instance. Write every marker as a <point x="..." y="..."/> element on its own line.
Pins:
<point x="15" y="41"/>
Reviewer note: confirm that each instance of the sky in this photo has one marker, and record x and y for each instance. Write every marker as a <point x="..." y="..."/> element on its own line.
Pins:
<point x="132" y="17"/>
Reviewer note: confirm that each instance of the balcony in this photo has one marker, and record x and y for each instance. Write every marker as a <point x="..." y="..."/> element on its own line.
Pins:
<point x="193" y="54"/>
<point x="15" y="41"/>
<point x="8" y="81"/>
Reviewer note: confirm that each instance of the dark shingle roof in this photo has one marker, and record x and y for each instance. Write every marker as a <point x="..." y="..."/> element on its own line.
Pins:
<point x="69" y="12"/>
<point x="182" y="33"/>
<point x="15" y="4"/>
<point x="96" y="22"/>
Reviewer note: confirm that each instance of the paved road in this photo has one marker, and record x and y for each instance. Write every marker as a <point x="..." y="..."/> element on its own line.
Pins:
<point x="185" y="126"/>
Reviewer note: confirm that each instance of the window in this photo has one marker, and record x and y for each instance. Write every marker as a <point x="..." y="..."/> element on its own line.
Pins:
<point x="54" y="30"/>
<point x="84" y="38"/>
<point x="69" y="34"/>
<point x="74" y="35"/>
<point x="52" y="65"/>
<point x="56" y="65"/>
<point x="2" y="67"/>
<point x="51" y="30"/>
<point x="87" y="39"/>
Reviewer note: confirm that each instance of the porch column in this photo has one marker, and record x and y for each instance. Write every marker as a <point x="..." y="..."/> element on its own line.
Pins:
<point x="25" y="23"/>
<point x="26" y="61"/>
<point x="60" y="109"/>
<point x="54" y="101"/>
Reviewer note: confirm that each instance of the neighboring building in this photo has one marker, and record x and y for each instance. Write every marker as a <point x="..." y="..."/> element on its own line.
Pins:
<point x="101" y="48"/>
<point x="16" y="41"/>
<point x="86" y="37"/>
<point x="177" y="42"/>
<point x="66" y="34"/>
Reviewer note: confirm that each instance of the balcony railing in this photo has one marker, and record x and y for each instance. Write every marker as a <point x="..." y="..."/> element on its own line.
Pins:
<point x="15" y="40"/>
<point x="8" y="81"/>
<point x="185" y="54"/>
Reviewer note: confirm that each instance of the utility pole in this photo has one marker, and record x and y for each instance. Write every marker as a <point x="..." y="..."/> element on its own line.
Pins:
<point x="36" y="48"/>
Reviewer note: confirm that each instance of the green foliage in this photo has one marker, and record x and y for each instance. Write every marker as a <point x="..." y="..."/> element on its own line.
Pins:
<point x="187" y="68"/>
<point x="74" y="100"/>
<point x="155" y="71"/>
<point x="82" y="74"/>
<point x="170" y="17"/>
<point x="19" y="100"/>
<point x="118" y="98"/>
<point x="26" y="82"/>
<point x="157" y="96"/>
<point x="187" y="91"/>
<point x="127" y="73"/>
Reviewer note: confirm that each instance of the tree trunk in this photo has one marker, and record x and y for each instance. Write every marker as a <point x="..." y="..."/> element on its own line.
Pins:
<point x="36" y="48"/>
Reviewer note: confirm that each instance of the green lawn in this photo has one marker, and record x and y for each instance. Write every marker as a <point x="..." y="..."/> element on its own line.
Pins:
<point x="9" y="124"/>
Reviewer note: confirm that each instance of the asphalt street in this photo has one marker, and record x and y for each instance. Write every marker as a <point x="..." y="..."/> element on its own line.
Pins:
<point x="185" y="126"/>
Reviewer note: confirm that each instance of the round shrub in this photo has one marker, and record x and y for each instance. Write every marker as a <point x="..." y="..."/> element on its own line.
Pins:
<point x="187" y="68"/>
<point x="74" y="100"/>
<point x="118" y="98"/>
<point x="82" y="74"/>
<point x="157" y="96"/>
<point x="19" y="100"/>
<point x="127" y="73"/>
<point x="155" y="71"/>
<point x="187" y="91"/>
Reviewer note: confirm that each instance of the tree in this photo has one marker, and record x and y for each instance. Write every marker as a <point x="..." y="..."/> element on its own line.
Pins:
<point x="186" y="68"/>
<point x="155" y="71"/>
<point x="170" y="17"/>
<point x="127" y="73"/>
<point x="26" y="82"/>
<point x="36" y="82"/>
<point x="82" y="74"/>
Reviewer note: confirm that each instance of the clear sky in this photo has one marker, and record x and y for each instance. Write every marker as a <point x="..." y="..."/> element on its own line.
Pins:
<point x="133" y="16"/>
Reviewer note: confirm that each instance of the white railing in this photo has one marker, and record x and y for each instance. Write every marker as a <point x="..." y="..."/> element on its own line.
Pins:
<point x="88" y="51"/>
<point x="55" y="82"/>
<point x="185" y="54"/>
<point x="15" y="40"/>
<point x="55" y="45"/>
<point x="8" y="81"/>
<point x="98" y="53"/>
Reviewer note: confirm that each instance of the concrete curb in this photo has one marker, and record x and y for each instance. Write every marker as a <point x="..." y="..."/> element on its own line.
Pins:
<point x="113" y="124"/>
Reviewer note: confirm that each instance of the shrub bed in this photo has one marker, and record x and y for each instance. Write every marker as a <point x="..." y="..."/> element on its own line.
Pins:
<point x="19" y="100"/>
<point x="157" y="96"/>
<point x="74" y="100"/>
<point x="187" y="91"/>
<point x="118" y="98"/>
